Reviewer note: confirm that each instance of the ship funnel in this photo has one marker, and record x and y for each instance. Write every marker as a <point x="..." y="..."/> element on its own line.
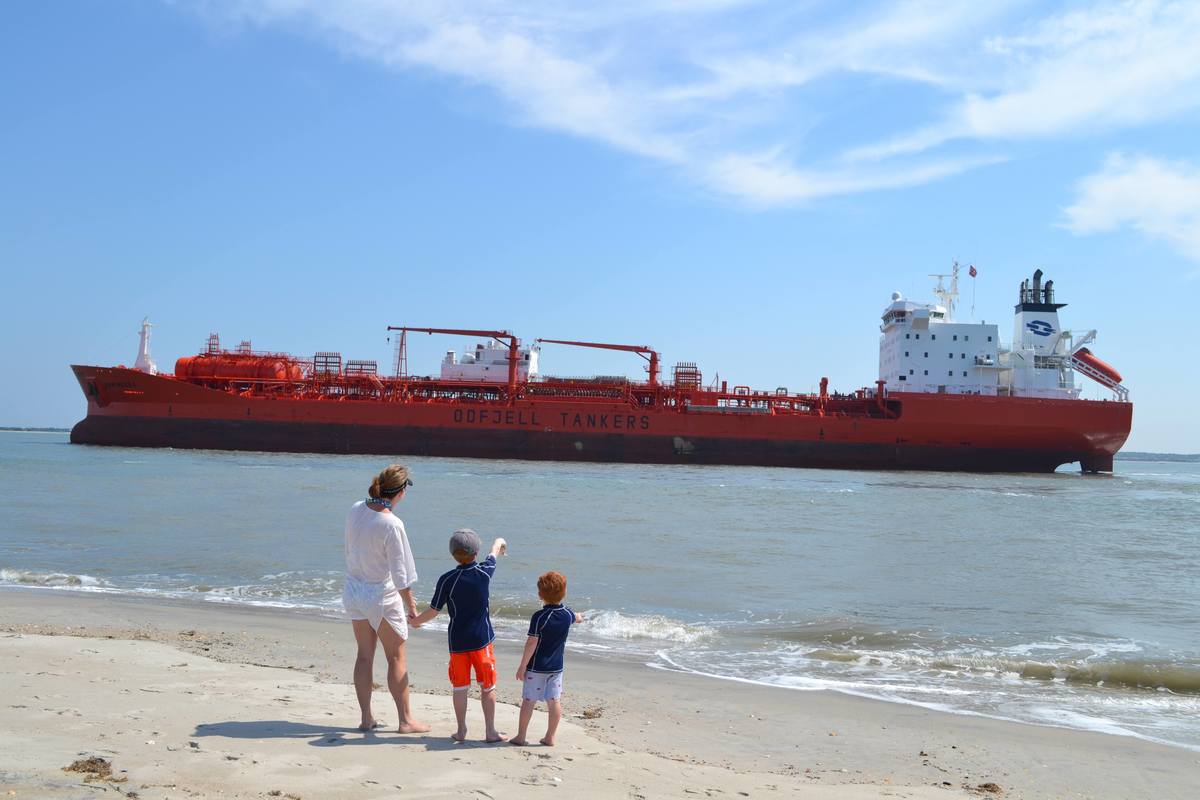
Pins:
<point x="1036" y="326"/>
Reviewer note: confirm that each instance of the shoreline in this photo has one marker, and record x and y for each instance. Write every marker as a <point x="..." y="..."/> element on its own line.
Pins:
<point x="803" y="738"/>
<point x="507" y="635"/>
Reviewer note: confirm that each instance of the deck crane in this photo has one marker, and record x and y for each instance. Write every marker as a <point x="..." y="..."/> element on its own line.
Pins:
<point x="645" y="352"/>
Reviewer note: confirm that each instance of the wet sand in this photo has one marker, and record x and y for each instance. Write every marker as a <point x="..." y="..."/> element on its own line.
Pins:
<point x="200" y="700"/>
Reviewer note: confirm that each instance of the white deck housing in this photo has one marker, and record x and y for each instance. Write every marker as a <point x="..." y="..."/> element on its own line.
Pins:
<point x="489" y="362"/>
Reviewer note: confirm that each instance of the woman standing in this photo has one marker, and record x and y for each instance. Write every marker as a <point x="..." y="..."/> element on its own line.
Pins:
<point x="380" y="573"/>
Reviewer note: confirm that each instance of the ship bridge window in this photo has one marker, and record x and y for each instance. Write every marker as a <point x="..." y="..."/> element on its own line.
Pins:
<point x="933" y="336"/>
<point x="950" y="373"/>
<point x="956" y="337"/>
<point x="908" y="336"/>
<point x="966" y="337"/>
<point x="964" y="373"/>
<point x="962" y="355"/>
<point x="906" y="354"/>
<point x="903" y="377"/>
<point x="927" y="355"/>
<point x="989" y="338"/>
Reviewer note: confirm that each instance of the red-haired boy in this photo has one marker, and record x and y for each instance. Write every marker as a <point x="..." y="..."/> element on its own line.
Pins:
<point x="542" y="662"/>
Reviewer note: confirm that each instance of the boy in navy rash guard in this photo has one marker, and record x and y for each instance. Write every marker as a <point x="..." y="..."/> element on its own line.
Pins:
<point x="463" y="591"/>
<point x="542" y="662"/>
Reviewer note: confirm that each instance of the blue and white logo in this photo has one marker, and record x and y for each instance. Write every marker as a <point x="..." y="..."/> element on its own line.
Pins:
<point x="1040" y="327"/>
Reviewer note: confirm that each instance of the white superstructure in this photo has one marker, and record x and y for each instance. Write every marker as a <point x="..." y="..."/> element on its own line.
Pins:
<point x="924" y="349"/>
<point x="489" y="362"/>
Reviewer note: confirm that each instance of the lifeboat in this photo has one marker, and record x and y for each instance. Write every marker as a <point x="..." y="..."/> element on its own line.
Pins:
<point x="1104" y="368"/>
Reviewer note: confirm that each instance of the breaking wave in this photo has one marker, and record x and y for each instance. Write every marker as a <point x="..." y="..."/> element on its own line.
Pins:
<point x="1125" y="674"/>
<point x="54" y="579"/>
<point x="615" y="625"/>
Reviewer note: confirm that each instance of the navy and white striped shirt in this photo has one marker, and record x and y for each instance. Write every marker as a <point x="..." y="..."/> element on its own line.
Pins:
<point x="551" y="625"/>
<point x="464" y="593"/>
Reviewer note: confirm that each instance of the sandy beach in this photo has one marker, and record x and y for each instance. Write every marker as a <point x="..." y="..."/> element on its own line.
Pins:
<point x="193" y="700"/>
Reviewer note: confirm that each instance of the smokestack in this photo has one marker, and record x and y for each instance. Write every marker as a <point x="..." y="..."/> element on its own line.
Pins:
<point x="1037" y="286"/>
<point x="1049" y="291"/>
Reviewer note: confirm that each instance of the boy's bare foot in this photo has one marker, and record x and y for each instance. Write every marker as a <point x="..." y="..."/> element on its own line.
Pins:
<point x="370" y="725"/>
<point x="413" y="727"/>
<point x="496" y="736"/>
<point x="547" y="741"/>
<point x="518" y="742"/>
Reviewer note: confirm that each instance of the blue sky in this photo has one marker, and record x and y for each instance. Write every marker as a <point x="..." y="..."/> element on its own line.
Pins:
<point x="737" y="183"/>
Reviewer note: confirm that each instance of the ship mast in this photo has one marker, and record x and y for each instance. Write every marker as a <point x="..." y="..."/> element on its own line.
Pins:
<point x="144" y="362"/>
<point x="948" y="297"/>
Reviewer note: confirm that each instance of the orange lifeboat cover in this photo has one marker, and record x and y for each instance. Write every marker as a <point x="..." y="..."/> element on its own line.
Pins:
<point x="1088" y="357"/>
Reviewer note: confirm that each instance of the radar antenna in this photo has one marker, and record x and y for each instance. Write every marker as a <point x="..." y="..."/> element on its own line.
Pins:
<point x="947" y="297"/>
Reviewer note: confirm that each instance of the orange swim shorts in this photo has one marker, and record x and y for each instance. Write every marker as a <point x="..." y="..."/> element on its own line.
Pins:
<point x="483" y="661"/>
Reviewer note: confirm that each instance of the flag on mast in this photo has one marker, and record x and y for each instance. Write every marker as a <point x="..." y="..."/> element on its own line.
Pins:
<point x="972" y="271"/>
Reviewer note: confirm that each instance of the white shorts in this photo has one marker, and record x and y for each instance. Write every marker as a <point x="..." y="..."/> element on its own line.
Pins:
<point x="375" y="602"/>
<point x="542" y="686"/>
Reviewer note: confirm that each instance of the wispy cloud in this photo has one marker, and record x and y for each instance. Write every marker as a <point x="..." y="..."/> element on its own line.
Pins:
<point x="733" y="94"/>
<point x="767" y="179"/>
<point x="1110" y="66"/>
<point x="1160" y="199"/>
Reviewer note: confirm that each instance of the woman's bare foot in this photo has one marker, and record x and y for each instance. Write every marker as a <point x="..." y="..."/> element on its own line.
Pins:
<point x="413" y="727"/>
<point x="494" y="737"/>
<point x="518" y="742"/>
<point x="548" y="742"/>
<point x="459" y="735"/>
<point x="369" y="725"/>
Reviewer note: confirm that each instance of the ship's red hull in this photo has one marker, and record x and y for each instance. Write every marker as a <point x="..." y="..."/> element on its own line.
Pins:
<point x="930" y="431"/>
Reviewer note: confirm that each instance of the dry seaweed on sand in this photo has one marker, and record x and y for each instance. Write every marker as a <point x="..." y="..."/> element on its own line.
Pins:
<point x="92" y="767"/>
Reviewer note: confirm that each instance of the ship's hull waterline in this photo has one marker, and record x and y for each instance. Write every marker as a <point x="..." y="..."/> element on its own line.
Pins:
<point x="923" y="431"/>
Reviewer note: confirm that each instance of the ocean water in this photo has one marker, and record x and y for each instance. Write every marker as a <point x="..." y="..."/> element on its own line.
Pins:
<point x="1058" y="599"/>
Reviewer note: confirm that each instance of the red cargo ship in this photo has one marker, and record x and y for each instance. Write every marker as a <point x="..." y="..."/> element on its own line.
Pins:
<point x="984" y="408"/>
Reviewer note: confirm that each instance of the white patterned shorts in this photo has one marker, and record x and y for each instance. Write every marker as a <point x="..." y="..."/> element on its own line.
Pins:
<point x="542" y="686"/>
<point x="375" y="602"/>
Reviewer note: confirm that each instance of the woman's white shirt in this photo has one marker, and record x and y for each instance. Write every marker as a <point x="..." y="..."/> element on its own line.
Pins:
<point x="377" y="548"/>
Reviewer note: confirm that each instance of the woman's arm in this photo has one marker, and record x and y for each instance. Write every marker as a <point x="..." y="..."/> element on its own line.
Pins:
<point x="402" y="568"/>
<point x="410" y="603"/>
<point x="531" y="644"/>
